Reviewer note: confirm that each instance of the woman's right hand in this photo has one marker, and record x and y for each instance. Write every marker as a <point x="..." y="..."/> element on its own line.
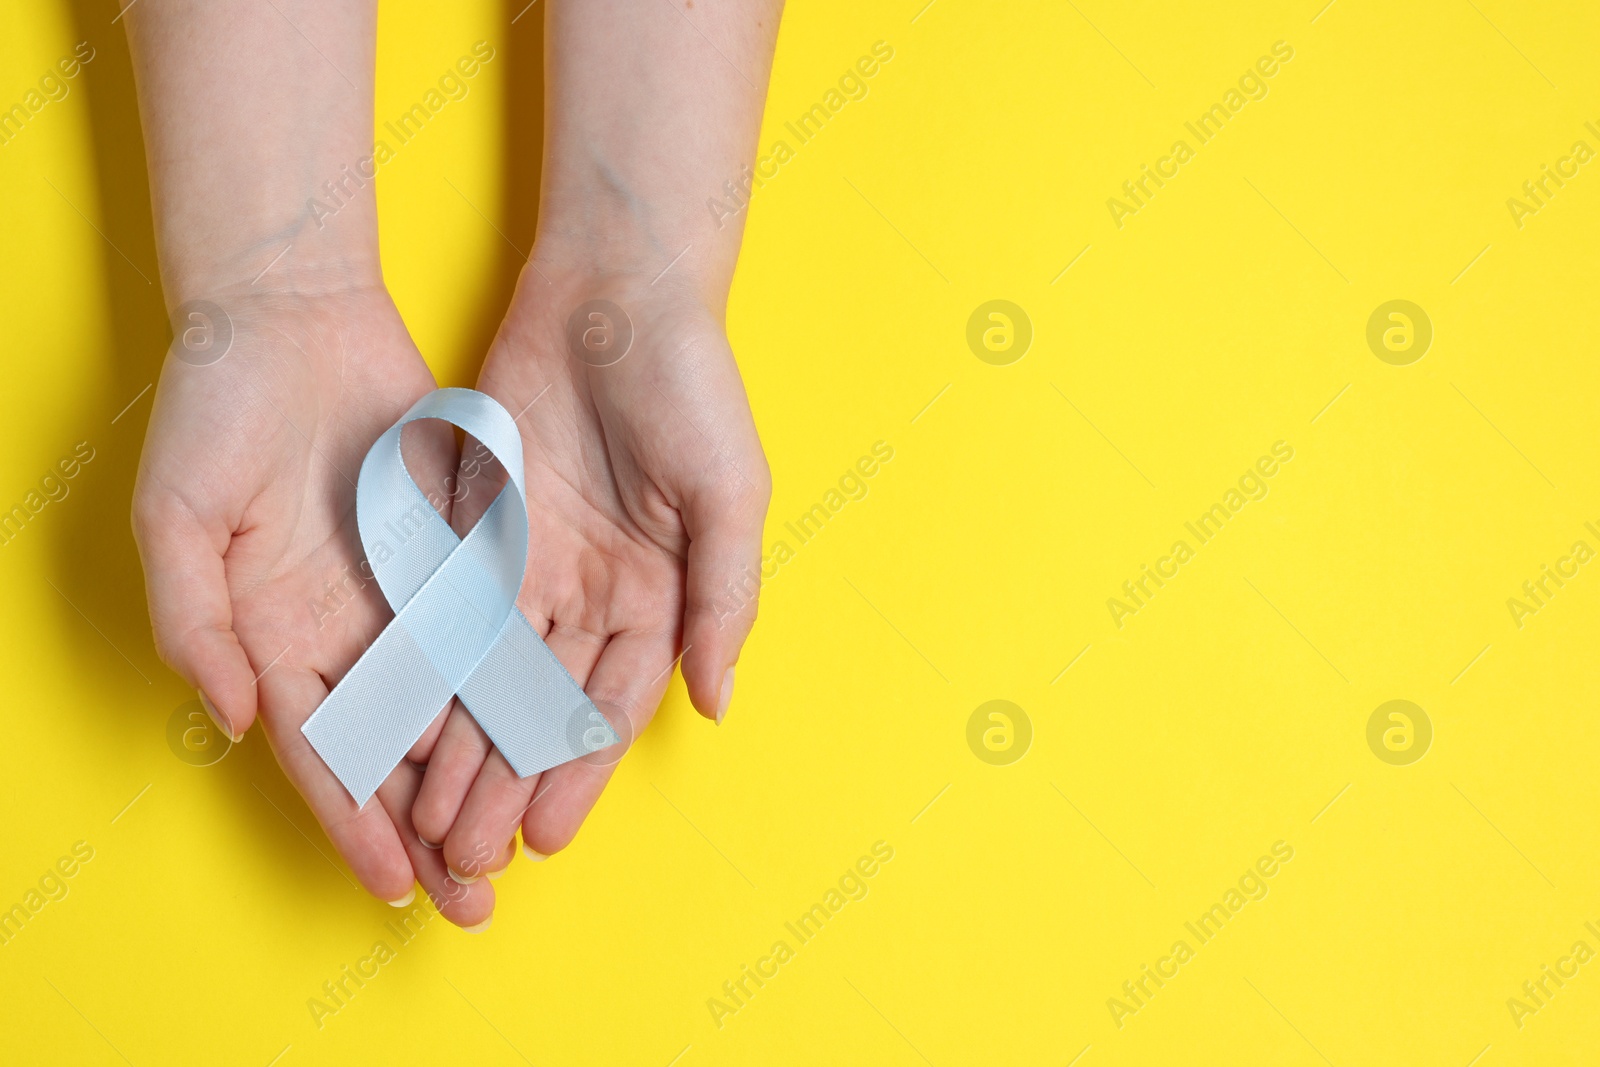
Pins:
<point x="244" y="513"/>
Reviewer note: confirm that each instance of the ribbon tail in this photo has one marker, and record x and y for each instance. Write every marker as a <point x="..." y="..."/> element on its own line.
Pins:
<point x="531" y="708"/>
<point x="365" y="727"/>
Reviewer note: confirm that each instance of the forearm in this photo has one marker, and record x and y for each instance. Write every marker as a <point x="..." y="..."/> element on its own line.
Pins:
<point x="650" y="109"/>
<point x="249" y="109"/>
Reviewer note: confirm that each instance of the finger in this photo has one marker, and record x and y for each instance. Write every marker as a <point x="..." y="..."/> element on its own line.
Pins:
<point x="626" y="686"/>
<point x="422" y="751"/>
<point x="723" y="586"/>
<point x="468" y="906"/>
<point x="483" y="839"/>
<point x="190" y="611"/>
<point x="365" y="836"/>
<point x="491" y="809"/>
<point x="456" y="760"/>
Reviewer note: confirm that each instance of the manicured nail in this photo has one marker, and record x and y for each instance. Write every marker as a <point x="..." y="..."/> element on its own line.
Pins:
<point x="727" y="695"/>
<point x="479" y="928"/>
<point x="511" y="854"/>
<point x="464" y="879"/>
<point x="532" y="855"/>
<point x="411" y="895"/>
<point x="218" y="718"/>
<point x="428" y="844"/>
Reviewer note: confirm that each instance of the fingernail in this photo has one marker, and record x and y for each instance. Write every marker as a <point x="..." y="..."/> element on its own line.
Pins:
<point x="727" y="695"/>
<point x="532" y="855"/>
<point x="411" y="895"/>
<point x="464" y="879"/>
<point x="218" y="718"/>
<point x="479" y="928"/>
<point x="428" y="844"/>
<point x="511" y="854"/>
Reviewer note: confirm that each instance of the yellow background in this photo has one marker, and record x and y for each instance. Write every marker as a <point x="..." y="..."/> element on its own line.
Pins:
<point x="1225" y="716"/>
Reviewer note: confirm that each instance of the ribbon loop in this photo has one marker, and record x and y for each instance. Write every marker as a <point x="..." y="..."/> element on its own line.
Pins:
<point x="456" y="630"/>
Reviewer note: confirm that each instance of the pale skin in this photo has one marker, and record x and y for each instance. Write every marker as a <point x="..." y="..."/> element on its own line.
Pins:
<point x="647" y="486"/>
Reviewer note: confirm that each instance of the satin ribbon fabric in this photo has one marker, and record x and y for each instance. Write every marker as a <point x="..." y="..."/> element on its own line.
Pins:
<point x="456" y="630"/>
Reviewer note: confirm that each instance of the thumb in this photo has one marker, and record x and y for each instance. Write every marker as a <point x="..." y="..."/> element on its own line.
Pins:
<point x="723" y="587"/>
<point x="190" y="612"/>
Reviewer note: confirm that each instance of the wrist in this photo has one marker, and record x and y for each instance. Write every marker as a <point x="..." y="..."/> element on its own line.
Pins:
<point x="266" y="254"/>
<point x="560" y="278"/>
<point x="209" y="309"/>
<point x="589" y="317"/>
<point x="605" y="236"/>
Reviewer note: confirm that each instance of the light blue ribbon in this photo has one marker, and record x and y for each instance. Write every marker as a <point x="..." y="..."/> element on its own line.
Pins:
<point x="456" y="629"/>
